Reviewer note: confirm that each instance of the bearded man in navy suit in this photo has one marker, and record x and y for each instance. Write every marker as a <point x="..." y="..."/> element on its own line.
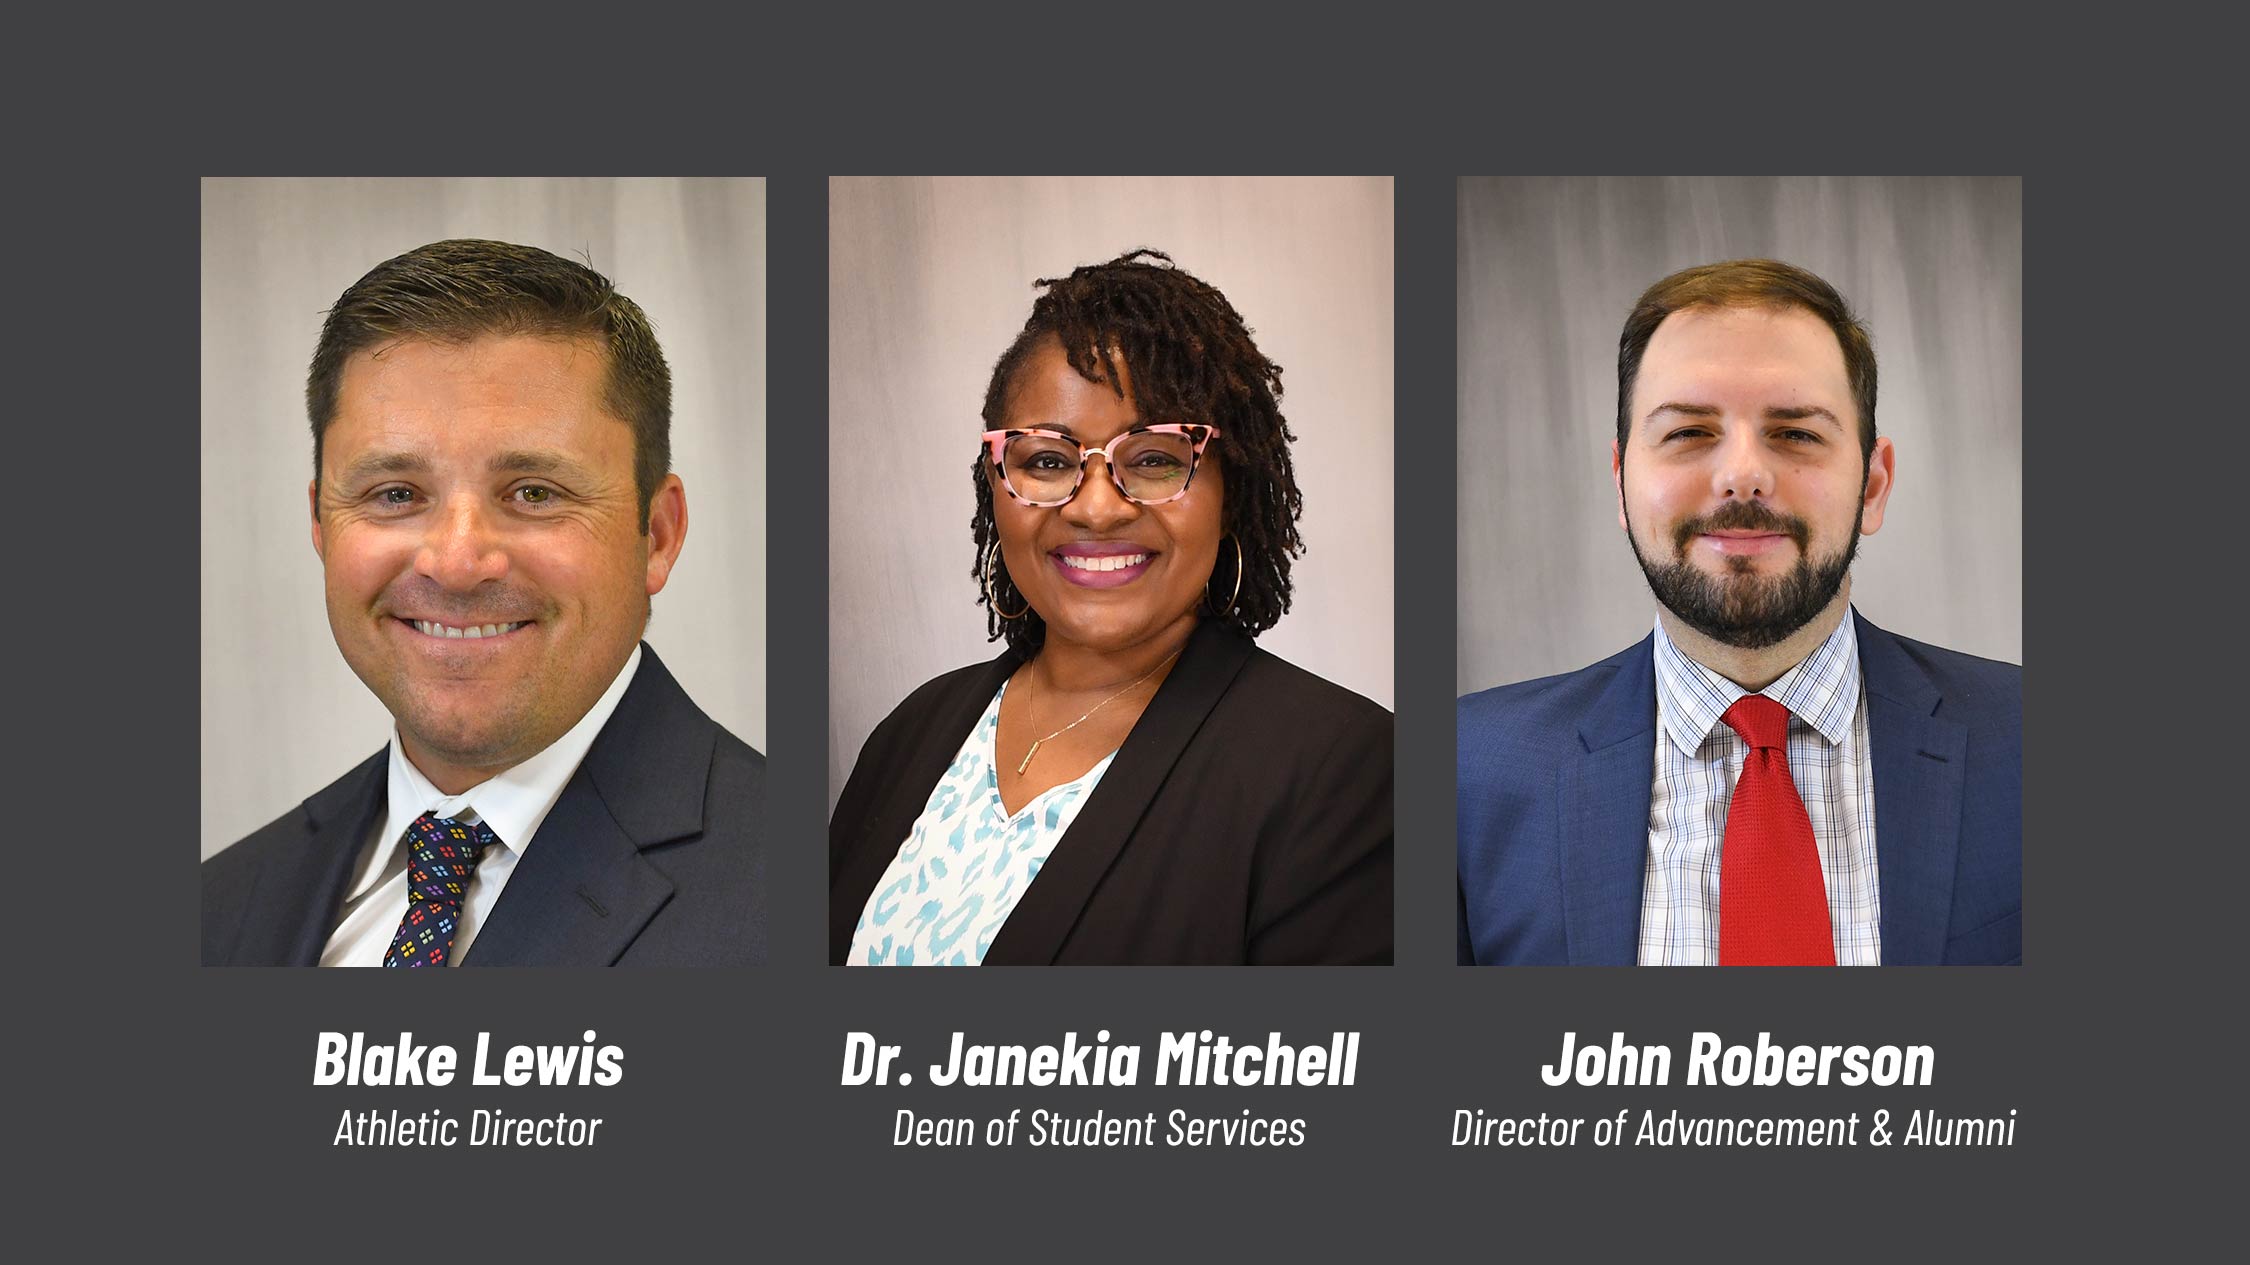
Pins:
<point x="1596" y="822"/>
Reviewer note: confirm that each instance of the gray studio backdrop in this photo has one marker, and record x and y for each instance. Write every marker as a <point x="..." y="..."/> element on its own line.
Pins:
<point x="929" y="280"/>
<point x="1548" y="269"/>
<point x="282" y="714"/>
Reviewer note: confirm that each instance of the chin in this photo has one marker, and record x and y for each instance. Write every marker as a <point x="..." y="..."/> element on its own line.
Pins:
<point x="449" y="704"/>
<point x="1104" y="631"/>
<point x="470" y="748"/>
<point x="470" y="722"/>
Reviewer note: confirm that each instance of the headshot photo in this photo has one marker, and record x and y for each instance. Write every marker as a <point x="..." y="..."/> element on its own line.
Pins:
<point x="454" y="436"/>
<point x="1739" y="648"/>
<point x="1110" y="571"/>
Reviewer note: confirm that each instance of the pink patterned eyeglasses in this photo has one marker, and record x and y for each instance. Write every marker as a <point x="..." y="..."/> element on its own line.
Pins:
<point x="1149" y="464"/>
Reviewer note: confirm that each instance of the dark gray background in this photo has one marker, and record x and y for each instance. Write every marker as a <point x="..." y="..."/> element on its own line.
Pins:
<point x="167" y="1109"/>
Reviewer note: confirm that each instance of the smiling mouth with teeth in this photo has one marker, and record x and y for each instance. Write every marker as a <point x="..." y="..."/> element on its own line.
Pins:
<point x="1114" y="562"/>
<point x="473" y="632"/>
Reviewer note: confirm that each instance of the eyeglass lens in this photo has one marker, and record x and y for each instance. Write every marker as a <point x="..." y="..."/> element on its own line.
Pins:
<point x="1150" y="467"/>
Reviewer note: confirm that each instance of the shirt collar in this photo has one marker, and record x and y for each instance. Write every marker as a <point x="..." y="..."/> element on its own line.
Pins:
<point x="513" y="802"/>
<point x="1822" y="690"/>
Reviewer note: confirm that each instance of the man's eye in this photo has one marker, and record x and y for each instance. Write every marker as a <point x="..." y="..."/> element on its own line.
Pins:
<point x="1688" y="432"/>
<point x="394" y="496"/>
<point x="1800" y="436"/>
<point x="535" y="495"/>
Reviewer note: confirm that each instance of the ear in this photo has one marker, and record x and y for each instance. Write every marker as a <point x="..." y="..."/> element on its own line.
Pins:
<point x="312" y="499"/>
<point x="1617" y="480"/>
<point x="667" y="531"/>
<point x="1882" y="468"/>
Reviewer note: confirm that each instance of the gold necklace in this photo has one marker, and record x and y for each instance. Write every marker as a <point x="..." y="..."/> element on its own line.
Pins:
<point x="1031" y="682"/>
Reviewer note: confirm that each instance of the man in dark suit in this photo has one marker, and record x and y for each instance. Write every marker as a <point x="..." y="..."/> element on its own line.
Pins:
<point x="1768" y="778"/>
<point x="493" y="509"/>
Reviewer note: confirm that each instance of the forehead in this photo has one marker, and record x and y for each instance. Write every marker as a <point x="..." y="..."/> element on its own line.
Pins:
<point x="1754" y="356"/>
<point x="1047" y="392"/>
<point x="492" y="390"/>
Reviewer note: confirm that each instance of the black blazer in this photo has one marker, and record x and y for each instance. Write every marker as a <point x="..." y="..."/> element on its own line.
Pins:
<point x="1246" y="819"/>
<point x="653" y="856"/>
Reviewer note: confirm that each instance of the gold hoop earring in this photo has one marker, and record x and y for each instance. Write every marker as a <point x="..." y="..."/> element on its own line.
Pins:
<point x="1235" y="596"/>
<point x="994" y="602"/>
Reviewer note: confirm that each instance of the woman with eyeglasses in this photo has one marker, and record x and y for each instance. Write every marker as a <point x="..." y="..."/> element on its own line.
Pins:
<point x="1132" y="780"/>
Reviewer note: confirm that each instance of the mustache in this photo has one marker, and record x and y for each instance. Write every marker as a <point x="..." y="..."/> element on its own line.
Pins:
<point x="1743" y="516"/>
<point x="419" y="597"/>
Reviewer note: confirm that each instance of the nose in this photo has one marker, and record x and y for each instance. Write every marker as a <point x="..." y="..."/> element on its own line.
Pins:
<point x="460" y="548"/>
<point x="1744" y="465"/>
<point x="1099" y="506"/>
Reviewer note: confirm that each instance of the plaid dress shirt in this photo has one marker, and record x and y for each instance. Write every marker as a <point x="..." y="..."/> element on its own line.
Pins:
<point x="1698" y="760"/>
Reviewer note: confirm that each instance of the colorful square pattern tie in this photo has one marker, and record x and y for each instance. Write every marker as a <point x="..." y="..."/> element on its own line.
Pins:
<point x="1773" y="907"/>
<point x="445" y="854"/>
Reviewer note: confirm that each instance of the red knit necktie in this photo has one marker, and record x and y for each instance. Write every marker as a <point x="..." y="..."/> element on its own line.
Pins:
<point x="1773" y="908"/>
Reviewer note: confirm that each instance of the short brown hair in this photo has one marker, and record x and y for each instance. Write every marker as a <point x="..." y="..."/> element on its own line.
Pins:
<point x="454" y="291"/>
<point x="1749" y="283"/>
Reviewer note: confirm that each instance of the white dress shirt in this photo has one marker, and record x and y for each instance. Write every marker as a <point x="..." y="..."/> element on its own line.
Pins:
<point x="512" y="803"/>
<point x="1698" y="760"/>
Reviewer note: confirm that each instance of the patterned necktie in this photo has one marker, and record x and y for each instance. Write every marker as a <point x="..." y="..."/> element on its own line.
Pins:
<point x="1773" y="908"/>
<point x="437" y="877"/>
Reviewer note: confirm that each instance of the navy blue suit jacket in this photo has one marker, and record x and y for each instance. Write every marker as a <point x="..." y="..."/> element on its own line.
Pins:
<point x="1554" y="787"/>
<point x="653" y="856"/>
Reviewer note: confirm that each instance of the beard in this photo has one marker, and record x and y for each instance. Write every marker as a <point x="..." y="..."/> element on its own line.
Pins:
<point x="1742" y="608"/>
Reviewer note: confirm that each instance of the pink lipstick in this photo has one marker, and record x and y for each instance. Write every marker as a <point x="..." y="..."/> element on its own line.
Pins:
<point x="1101" y="564"/>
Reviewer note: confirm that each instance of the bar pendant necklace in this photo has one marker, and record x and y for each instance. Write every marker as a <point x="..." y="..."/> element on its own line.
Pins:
<point x="1031" y="683"/>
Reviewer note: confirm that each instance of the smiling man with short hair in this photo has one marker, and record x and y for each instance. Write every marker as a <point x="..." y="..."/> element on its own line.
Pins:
<point x="1768" y="779"/>
<point x="493" y="509"/>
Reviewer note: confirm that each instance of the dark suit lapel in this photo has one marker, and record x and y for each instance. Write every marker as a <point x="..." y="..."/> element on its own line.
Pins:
<point x="1042" y="919"/>
<point x="294" y="901"/>
<point x="1602" y="799"/>
<point x="868" y="854"/>
<point x="1919" y="760"/>
<point x="583" y="891"/>
<point x="579" y="895"/>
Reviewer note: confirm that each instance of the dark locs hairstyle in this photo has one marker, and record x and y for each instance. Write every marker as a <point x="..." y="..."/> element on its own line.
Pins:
<point x="456" y="291"/>
<point x="1189" y="358"/>
<point x="1749" y="283"/>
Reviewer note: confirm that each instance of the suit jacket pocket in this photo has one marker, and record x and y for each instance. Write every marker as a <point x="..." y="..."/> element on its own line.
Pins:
<point x="1996" y="943"/>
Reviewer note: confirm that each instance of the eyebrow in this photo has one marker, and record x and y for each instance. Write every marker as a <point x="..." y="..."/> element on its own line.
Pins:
<point x="1675" y="406"/>
<point x="1063" y="428"/>
<point x="1800" y="413"/>
<point x="524" y="461"/>
<point x="1774" y="413"/>
<point x="529" y="461"/>
<point x="382" y="463"/>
